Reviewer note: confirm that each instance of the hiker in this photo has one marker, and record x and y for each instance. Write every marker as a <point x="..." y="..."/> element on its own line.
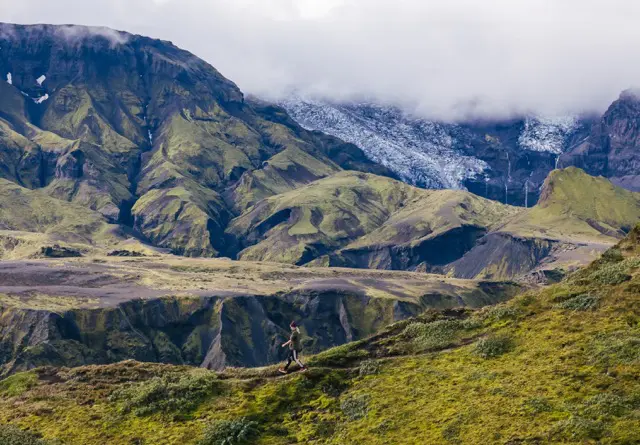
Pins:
<point x="294" y="349"/>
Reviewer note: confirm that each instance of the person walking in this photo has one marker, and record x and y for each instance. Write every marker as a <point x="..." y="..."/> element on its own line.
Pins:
<point x="294" y="349"/>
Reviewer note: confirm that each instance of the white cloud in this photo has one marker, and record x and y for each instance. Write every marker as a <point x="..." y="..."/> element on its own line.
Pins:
<point x="444" y="58"/>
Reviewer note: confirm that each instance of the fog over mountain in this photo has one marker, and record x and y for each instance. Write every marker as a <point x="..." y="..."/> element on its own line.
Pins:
<point x="446" y="60"/>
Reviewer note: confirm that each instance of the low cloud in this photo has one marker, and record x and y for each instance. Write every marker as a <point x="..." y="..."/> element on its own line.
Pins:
<point x="446" y="59"/>
<point x="79" y="33"/>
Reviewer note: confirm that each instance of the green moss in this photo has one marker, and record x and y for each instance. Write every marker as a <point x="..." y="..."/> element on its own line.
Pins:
<point x="17" y="384"/>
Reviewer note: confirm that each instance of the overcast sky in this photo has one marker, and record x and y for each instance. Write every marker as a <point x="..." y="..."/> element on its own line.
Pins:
<point x="447" y="59"/>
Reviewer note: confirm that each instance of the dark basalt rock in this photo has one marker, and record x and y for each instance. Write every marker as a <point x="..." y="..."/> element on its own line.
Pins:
<point x="126" y="253"/>
<point x="57" y="251"/>
<point x="612" y="148"/>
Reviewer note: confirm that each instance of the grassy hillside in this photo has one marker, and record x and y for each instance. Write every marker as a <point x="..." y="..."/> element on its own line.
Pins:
<point x="360" y="213"/>
<point x="558" y="365"/>
<point x="361" y="220"/>
<point x="55" y="221"/>
<point x="576" y="206"/>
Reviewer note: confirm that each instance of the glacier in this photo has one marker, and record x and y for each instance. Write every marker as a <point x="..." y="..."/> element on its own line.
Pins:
<point x="419" y="151"/>
<point x="423" y="152"/>
<point x="547" y="133"/>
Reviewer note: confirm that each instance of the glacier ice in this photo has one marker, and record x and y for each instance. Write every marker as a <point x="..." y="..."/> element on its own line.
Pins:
<point x="420" y="152"/>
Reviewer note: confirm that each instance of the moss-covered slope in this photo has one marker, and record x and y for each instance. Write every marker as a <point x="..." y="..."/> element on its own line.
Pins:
<point x="120" y="118"/>
<point x="558" y="365"/>
<point x="576" y="206"/>
<point x="55" y="220"/>
<point x="363" y="220"/>
<point x="366" y="221"/>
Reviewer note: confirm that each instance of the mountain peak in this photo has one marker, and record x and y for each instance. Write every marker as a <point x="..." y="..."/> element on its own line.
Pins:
<point x="48" y="57"/>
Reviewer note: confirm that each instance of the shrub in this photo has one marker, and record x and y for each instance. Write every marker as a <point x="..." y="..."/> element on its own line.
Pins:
<point x="340" y="356"/>
<point x="607" y="404"/>
<point x="471" y="323"/>
<point x="578" y="428"/>
<point x="230" y="432"/>
<point x="168" y="393"/>
<point x="502" y="312"/>
<point x="615" y="348"/>
<point x="355" y="406"/>
<point x="12" y="435"/>
<point x="436" y="335"/>
<point x="612" y="255"/>
<point x="584" y="302"/>
<point x="369" y="367"/>
<point x="537" y="405"/>
<point x="493" y="346"/>
<point x="611" y="275"/>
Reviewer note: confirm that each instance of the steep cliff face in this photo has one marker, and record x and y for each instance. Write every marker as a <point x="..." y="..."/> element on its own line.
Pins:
<point x="612" y="146"/>
<point x="211" y="332"/>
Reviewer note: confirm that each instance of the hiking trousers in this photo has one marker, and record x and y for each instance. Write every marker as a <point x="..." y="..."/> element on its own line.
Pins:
<point x="293" y="356"/>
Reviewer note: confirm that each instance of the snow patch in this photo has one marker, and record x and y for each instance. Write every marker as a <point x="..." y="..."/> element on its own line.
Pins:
<point x="41" y="79"/>
<point x="547" y="134"/>
<point x="9" y="79"/>
<point x="41" y="99"/>
<point x="420" y="152"/>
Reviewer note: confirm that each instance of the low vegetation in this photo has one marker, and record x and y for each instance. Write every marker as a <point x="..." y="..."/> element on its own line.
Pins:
<point x="230" y="432"/>
<point x="167" y="394"/>
<point x="556" y="365"/>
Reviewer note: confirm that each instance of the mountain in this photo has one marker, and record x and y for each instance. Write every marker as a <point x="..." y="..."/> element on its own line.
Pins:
<point x="611" y="148"/>
<point x="365" y="221"/>
<point x="162" y="152"/>
<point x="506" y="161"/>
<point x="577" y="218"/>
<point x="553" y="365"/>
<point x="147" y="134"/>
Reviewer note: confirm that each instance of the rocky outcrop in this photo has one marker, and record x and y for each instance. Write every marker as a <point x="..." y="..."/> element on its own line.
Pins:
<point x="612" y="146"/>
<point x="500" y="255"/>
<point x="428" y="255"/>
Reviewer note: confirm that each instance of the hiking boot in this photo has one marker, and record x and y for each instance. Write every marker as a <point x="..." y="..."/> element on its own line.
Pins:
<point x="303" y="369"/>
<point x="282" y="371"/>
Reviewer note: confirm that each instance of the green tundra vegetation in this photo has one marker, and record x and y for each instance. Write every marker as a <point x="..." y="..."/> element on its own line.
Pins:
<point x="560" y="364"/>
